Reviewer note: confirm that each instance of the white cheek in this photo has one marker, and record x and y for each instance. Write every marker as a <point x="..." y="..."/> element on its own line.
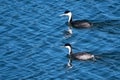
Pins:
<point x="68" y="47"/>
<point x="69" y="14"/>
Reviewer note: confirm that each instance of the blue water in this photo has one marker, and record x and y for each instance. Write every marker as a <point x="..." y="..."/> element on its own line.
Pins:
<point x="31" y="33"/>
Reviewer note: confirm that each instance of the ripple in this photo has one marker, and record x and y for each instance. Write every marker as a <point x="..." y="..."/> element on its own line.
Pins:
<point x="32" y="33"/>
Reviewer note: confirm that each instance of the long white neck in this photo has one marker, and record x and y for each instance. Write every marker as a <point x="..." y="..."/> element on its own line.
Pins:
<point x="69" y="50"/>
<point x="70" y="17"/>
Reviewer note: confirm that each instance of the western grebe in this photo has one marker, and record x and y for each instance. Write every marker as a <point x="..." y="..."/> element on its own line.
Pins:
<point x="76" y="23"/>
<point x="78" y="55"/>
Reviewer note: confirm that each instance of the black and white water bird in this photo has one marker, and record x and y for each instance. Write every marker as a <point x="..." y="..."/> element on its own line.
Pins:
<point x="76" y="23"/>
<point x="78" y="55"/>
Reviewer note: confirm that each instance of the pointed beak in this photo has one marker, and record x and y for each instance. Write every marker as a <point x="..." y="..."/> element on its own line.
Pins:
<point x="62" y="15"/>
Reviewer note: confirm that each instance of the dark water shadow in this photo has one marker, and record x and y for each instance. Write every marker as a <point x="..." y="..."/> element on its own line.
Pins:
<point x="109" y="58"/>
<point x="99" y="23"/>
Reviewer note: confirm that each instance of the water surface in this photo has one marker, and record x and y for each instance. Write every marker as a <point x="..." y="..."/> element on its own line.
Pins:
<point x="31" y="33"/>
